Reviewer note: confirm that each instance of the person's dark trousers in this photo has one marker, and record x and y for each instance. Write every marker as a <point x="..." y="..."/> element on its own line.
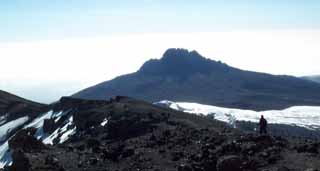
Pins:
<point x="263" y="131"/>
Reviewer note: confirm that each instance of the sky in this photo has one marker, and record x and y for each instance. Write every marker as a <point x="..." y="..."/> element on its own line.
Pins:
<point x="53" y="48"/>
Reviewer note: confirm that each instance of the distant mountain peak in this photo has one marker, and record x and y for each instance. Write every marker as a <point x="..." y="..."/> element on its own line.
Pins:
<point x="182" y="75"/>
<point x="182" y="56"/>
<point x="179" y="52"/>
<point x="182" y="62"/>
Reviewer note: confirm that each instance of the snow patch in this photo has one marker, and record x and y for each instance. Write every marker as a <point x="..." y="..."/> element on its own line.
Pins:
<point x="104" y="122"/>
<point x="65" y="136"/>
<point x="3" y="119"/>
<point x="10" y="126"/>
<point x="63" y="132"/>
<point x="38" y="123"/>
<point x="57" y="119"/>
<point x="67" y="131"/>
<point x="5" y="155"/>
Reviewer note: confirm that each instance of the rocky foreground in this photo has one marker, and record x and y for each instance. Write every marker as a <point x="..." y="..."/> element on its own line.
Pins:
<point x="127" y="134"/>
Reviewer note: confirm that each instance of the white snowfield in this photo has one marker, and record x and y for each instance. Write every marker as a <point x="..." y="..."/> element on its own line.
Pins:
<point x="10" y="126"/>
<point x="5" y="129"/>
<point x="303" y="116"/>
<point x="5" y="155"/>
<point x="64" y="132"/>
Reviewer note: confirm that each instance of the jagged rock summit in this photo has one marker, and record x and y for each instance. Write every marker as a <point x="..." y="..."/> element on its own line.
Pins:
<point x="181" y="62"/>
<point x="186" y="76"/>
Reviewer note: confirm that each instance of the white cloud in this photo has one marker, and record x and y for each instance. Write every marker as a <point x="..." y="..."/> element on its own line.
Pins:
<point x="78" y="63"/>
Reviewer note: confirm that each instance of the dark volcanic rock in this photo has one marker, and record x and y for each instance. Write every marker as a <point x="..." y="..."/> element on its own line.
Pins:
<point x="141" y="136"/>
<point x="126" y="128"/>
<point x="20" y="161"/>
<point x="228" y="163"/>
<point x="280" y="168"/>
<point x="25" y="141"/>
<point x="49" y="126"/>
<point x="128" y="152"/>
<point x="184" y="167"/>
<point x="93" y="143"/>
<point x="308" y="148"/>
<point x="311" y="169"/>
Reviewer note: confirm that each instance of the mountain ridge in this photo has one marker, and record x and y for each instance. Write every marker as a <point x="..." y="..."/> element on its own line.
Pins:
<point x="314" y="78"/>
<point x="12" y="106"/>
<point x="182" y="75"/>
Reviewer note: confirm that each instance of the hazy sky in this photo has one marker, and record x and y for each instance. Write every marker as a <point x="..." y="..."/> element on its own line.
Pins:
<point x="51" y="48"/>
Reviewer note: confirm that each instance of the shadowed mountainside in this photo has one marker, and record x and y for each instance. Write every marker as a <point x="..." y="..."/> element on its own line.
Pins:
<point x="186" y="76"/>
<point x="315" y="78"/>
<point x="14" y="107"/>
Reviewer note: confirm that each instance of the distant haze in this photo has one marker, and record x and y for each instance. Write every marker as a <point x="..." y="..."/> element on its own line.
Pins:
<point x="53" y="48"/>
<point x="62" y="67"/>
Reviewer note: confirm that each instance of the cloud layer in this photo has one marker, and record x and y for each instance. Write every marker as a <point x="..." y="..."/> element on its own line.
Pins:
<point x="46" y="70"/>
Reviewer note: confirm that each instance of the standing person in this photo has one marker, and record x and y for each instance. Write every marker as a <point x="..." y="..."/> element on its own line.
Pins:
<point x="263" y="125"/>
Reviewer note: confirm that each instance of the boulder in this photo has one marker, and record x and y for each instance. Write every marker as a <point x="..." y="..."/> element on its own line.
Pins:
<point x="25" y="141"/>
<point x="51" y="160"/>
<point x="184" y="167"/>
<point x="229" y="163"/>
<point x="93" y="160"/>
<point x="308" y="148"/>
<point x="93" y="143"/>
<point x="282" y="168"/>
<point x="19" y="161"/>
<point x="49" y="126"/>
<point x="128" y="152"/>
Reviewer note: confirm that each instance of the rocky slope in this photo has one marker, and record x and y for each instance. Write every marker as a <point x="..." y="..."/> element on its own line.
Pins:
<point x="13" y="107"/>
<point x="186" y="76"/>
<point x="15" y="112"/>
<point x="128" y="134"/>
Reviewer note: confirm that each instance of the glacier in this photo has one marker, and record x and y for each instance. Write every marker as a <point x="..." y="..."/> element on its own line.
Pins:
<point x="302" y="116"/>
